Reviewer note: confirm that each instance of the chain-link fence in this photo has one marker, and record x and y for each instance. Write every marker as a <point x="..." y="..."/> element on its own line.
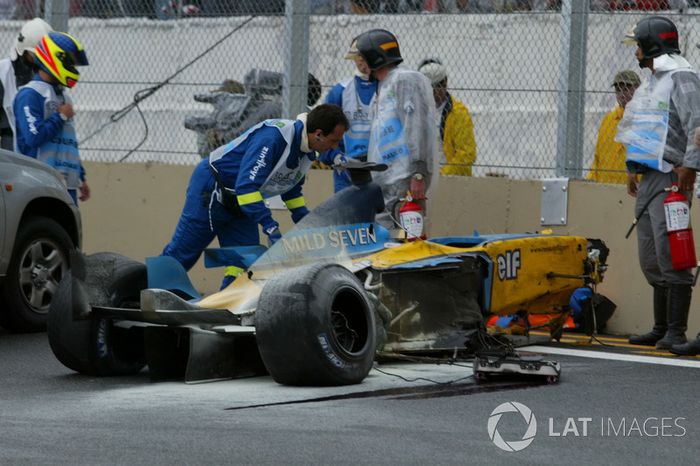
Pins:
<point x="536" y="75"/>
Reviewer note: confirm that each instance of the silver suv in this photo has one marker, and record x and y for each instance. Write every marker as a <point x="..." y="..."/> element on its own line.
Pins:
<point x="39" y="227"/>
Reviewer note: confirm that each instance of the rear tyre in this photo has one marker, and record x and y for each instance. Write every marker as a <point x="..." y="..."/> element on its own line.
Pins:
<point x="315" y="326"/>
<point x="95" y="346"/>
<point x="38" y="264"/>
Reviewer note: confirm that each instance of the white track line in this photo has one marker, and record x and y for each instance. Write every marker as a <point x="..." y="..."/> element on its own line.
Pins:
<point x="612" y="356"/>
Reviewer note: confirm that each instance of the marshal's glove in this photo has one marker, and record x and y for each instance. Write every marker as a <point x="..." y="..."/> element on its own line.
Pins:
<point x="273" y="234"/>
<point x="339" y="162"/>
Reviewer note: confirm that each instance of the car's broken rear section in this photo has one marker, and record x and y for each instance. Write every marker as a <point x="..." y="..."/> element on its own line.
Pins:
<point x="438" y="290"/>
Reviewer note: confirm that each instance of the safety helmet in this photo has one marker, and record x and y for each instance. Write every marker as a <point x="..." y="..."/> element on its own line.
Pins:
<point x="379" y="48"/>
<point x="352" y="52"/>
<point x="434" y="70"/>
<point x="655" y="36"/>
<point x="58" y="54"/>
<point x="29" y="37"/>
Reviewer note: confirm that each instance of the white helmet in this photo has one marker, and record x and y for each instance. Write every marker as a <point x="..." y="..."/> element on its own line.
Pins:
<point x="29" y="37"/>
<point x="434" y="70"/>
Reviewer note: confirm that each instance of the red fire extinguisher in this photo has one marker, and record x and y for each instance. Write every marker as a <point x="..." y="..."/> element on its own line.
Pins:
<point x="411" y="218"/>
<point x="680" y="233"/>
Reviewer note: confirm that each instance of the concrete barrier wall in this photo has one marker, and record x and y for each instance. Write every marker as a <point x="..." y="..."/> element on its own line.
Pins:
<point x="134" y="209"/>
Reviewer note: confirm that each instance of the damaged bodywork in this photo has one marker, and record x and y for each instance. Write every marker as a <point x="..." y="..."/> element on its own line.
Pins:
<point x="315" y="308"/>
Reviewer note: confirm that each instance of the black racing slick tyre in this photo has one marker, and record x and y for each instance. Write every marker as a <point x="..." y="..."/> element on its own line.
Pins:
<point x="38" y="264"/>
<point x="315" y="326"/>
<point x="89" y="344"/>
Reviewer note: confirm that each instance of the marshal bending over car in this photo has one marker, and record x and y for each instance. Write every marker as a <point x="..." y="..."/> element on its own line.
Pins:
<point x="316" y="307"/>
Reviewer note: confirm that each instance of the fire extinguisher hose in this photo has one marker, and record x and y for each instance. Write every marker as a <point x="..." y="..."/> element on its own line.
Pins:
<point x="644" y="209"/>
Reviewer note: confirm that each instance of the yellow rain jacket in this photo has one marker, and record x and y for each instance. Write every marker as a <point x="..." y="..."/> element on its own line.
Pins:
<point x="609" y="155"/>
<point x="457" y="135"/>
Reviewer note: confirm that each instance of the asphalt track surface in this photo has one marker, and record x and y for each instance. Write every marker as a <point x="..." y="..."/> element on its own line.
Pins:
<point x="639" y="413"/>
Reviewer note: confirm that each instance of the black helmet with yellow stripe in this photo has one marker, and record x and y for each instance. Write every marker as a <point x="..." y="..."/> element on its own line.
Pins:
<point x="379" y="48"/>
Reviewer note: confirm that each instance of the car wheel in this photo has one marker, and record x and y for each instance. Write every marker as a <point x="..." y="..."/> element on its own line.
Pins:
<point x="88" y="344"/>
<point x="315" y="326"/>
<point x="38" y="264"/>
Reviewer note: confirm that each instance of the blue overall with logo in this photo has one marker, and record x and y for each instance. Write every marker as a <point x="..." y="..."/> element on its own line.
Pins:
<point x="264" y="161"/>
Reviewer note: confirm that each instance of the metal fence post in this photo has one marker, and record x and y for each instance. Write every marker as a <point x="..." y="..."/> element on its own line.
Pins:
<point x="296" y="58"/>
<point x="572" y="88"/>
<point x="56" y="14"/>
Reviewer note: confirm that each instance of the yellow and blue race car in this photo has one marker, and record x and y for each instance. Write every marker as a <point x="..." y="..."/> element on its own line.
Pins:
<point x="315" y="308"/>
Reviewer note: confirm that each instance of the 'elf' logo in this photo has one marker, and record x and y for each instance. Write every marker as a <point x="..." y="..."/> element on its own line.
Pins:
<point x="508" y="265"/>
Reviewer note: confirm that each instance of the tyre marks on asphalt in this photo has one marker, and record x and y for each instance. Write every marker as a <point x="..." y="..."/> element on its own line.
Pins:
<point x="414" y="393"/>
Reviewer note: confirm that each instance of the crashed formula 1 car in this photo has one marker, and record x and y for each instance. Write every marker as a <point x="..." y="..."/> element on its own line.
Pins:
<point x="316" y="307"/>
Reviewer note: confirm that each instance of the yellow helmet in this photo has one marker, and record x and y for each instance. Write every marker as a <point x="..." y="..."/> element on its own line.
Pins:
<point x="58" y="54"/>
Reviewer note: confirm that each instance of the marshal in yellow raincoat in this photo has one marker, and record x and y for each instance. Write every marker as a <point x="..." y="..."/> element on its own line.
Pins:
<point x="609" y="159"/>
<point x="458" y="143"/>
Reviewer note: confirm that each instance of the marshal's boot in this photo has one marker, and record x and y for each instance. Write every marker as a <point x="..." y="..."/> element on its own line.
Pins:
<point x="678" y="307"/>
<point x="691" y="348"/>
<point x="660" y="320"/>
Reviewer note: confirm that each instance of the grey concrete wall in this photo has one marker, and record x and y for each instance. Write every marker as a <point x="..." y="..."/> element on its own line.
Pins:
<point x="134" y="209"/>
